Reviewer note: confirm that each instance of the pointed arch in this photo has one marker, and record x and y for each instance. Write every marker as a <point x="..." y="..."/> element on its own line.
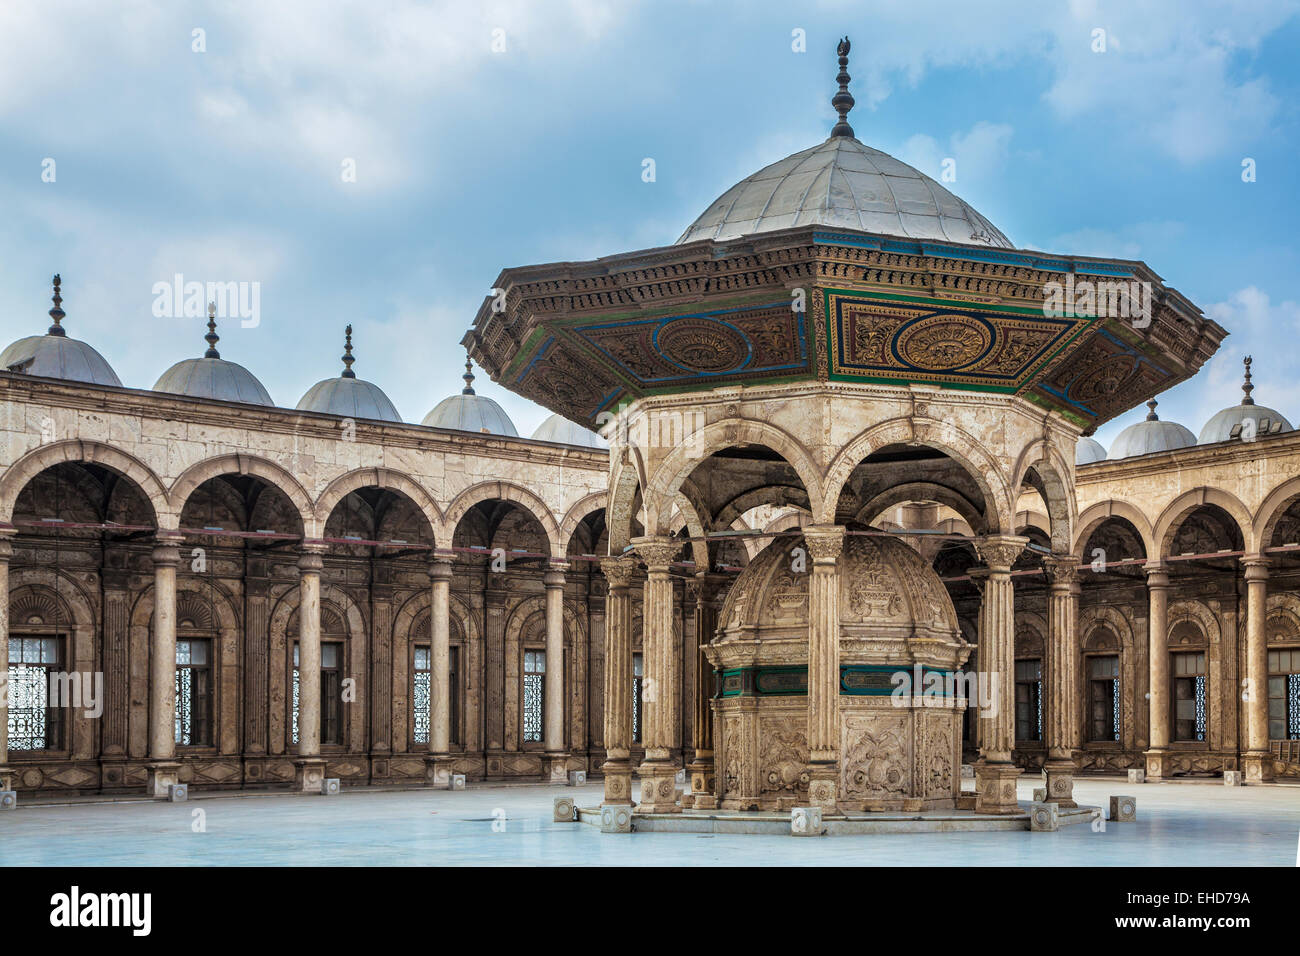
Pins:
<point x="386" y="478"/>
<point x="1171" y="519"/>
<point x="241" y="464"/>
<point x="503" y="491"/>
<point x="80" y="451"/>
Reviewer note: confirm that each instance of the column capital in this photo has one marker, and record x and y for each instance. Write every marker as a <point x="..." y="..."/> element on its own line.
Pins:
<point x="553" y="576"/>
<point x="825" y="542"/>
<point x="310" y="557"/>
<point x="999" y="551"/>
<point x="167" y="552"/>
<point x="704" y="587"/>
<point x="7" y="531"/>
<point x="656" y="551"/>
<point x="441" y="567"/>
<point x="619" y="571"/>
<point x="1157" y="574"/>
<point x="1255" y="566"/>
<point x="1062" y="570"/>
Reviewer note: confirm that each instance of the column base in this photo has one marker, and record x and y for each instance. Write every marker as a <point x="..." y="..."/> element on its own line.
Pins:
<point x="159" y="776"/>
<point x="437" y="770"/>
<point x="1258" y="766"/>
<point x="824" y="785"/>
<point x="995" y="788"/>
<point x="1157" y="764"/>
<point x="308" y="774"/>
<point x="618" y="783"/>
<point x="704" y="784"/>
<point x="1060" y="783"/>
<point x="658" y="788"/>
<point x="556" y="768"/>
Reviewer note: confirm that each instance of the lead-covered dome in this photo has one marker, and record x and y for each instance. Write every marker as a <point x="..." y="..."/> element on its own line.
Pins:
<point x="55" y="355"/>
<point x="844" y="184"/>
<point x="470" y="412"/>
<point x="1227" y="423"/>
<point x="1151" y="436"/>
<point x="348" y="396"/>
<point x="212" y="376"/>
<point x="1089" y="450"/>
<point x="560" y="430"/>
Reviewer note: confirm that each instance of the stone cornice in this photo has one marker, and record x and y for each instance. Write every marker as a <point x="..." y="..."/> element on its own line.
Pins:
<point x="1232" y="451"/>
<point x="29" y="390"/>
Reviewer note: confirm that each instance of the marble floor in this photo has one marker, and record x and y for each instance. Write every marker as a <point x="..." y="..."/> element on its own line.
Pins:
<point x="1197" y="824"/>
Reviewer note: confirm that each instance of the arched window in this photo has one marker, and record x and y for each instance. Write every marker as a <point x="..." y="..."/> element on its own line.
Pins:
<point x="1190" y="676"/>
<point x="195" y="682"/>
<point x="1283" y="677"/>
<point x="333" y="651"/>
<point x="1029" y="685"/>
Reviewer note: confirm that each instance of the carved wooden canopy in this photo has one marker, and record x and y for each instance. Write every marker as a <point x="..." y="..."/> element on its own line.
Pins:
<point x="1071" y="334"/>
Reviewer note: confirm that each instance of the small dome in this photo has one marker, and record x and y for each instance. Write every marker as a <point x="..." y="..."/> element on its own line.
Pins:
<point x="844" y="184"/>
<point x="560" y="430"/>
<point x="212" y="376"/>
<point x="54" y="355"/>
<point x="469" y="412"/>
<point x="1267" y="420"/>
<point x="1150" y="436"/>
<point x="1089" y="450"/>
<point x="348" y="396"/>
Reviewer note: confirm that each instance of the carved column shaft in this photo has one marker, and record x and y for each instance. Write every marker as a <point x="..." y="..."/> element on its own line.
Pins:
<point x="1060" y="670"/>
<point x="440" y="572"/>
<point x="162" y="659"/>
<point x="618" y="679"/>
<point x="995" y="775"/>
<point x="1257" y="764"/>
<point x="1158" y="600"/>
<point x="659" y="731"/>
<point x="824" y="544"/>
<point x="310" y="565"/>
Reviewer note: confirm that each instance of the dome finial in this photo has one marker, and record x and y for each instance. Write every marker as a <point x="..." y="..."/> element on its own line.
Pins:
<point x="1151" y="415"/>
<point x="843" y="100"/>
<point x="1245" y="385"/>
<point x="212" y="338"/>
<point x="347" y="354"/>
<point x="57" y="312"/>
<point x="469" y="379"/>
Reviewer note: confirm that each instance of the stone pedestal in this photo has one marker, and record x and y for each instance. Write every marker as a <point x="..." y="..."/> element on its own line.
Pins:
<point x="704" y="783"/>
<point x="1258" y="766"/>
<point x="556" y="768"/>
<point x="438" y="770"/>
<point x="1157" y="761"/>
<point x="1060" y="783"/>
<point x="618" y="782"/>
<point x="995" y="787"/>
<point x="823" y="786"/>
<point x="658" y="788"/>
<point x="161" y="775"/>
<point x="308" y="774"/>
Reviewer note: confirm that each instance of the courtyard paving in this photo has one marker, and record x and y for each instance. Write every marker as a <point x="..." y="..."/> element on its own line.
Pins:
<point x="1189" y="824"/>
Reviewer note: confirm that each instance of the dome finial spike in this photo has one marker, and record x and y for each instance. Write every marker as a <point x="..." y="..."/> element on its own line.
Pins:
<point x="843" y="100"/>
<point x="468" y="377"/>
<point x="1151" y="415"/>
<point x="1245" y="385"/>
<point x="347" y="353"/>
<point x="212" y="338"/>
<point x="57" y="312"/>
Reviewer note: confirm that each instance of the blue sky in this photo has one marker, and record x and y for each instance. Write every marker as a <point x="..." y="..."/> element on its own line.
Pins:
<point x="226" y="165"/>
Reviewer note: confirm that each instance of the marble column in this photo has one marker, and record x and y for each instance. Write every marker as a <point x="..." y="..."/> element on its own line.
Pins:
<point x="1158" y="602"/>
<point x="438" y="764"/>
<point x="658" y="772"/>
<point x="1256" y="761"/>
<point x="163" y="770"/>
<point x="825" y="542"/>
<point x="6" y="553"/>
<point x="1061" y="680"/>
<point x="309" y="768"/>
<point x="704" y="782"/>
<point x="619" y="573"/>
<point x="557" y="757"/>
<point x="995" y="774"/>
